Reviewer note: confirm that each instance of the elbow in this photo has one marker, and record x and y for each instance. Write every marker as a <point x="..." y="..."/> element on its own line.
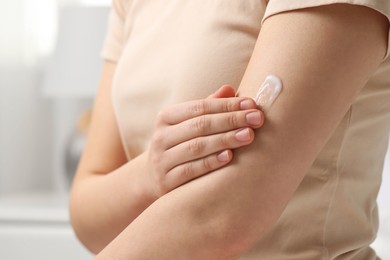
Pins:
<point x="232" y="236"/>
<point x="81" y="225"/>
<point x="85" y="236"/>
<point x="238" y="232"/>
<point x="234" y="243"/>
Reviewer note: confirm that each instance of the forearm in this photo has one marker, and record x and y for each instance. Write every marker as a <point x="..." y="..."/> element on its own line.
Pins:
<point x="107" y="191"/>
<point x="208" y="218"/>
<point x="221" y="215"/>
<point x="102" y="205"/>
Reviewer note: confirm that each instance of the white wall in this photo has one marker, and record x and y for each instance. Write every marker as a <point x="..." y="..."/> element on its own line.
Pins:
<point x="29" y="123"/>
<point x="25" y="135"/>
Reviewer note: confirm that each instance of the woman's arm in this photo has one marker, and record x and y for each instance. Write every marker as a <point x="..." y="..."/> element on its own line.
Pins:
<point x="324" y="56"/>
<point x="102" y="203"/>
<point x="109" y="192"/>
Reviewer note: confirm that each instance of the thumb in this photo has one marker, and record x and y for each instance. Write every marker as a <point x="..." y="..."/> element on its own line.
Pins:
<point x="225" y="91"/>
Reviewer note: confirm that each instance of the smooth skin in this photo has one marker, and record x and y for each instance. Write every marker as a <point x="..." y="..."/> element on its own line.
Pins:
<point x="190" y="139"/>
<point x="221" y="215"/>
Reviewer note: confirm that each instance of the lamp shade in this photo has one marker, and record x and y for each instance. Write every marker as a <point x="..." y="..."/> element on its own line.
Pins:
<point x="76" y="64"/>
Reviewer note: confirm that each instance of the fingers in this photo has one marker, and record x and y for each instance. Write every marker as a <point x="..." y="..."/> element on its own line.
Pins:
<point x="203" y="146"/>
<point x="209" y="125"/>
<point x="194" y="169"/>
<point x="187" y="110"/>
<point x="196" y="137"/>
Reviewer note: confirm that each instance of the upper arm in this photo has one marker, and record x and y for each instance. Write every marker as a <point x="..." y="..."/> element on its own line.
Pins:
<point x="324" y="56"/>
<point x="103" y="152"/>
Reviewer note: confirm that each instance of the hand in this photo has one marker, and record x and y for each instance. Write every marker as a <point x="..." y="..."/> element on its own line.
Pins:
<point x="196" y="137"/>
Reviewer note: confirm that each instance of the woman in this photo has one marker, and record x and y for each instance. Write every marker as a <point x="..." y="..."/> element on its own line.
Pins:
<point x="301" y="186"/>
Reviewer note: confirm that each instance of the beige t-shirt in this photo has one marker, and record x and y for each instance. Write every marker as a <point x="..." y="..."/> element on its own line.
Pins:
<point x="171" y="51"/>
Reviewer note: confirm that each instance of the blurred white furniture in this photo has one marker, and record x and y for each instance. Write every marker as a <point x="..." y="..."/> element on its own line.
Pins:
<point x="36" y="226"/>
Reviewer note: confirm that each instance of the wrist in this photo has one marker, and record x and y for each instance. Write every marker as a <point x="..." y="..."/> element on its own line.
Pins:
<point x="142" y="187"/>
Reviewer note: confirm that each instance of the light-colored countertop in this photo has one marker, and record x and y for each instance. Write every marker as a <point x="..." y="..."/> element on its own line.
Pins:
<point x="32" y="207"/>
<point x="36" y="226"/>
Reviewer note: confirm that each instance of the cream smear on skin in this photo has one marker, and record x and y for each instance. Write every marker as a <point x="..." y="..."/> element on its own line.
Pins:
<point x="268" y="92"/>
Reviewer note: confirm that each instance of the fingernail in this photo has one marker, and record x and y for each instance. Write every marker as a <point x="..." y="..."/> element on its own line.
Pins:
<point x="243" y="135"/>
<point x="223" y="157"/>
<point x="246" y="104"/>
<point x="253" y="118"/>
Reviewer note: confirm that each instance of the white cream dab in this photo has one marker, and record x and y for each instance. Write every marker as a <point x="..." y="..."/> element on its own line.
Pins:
<point x="268" y="92"/>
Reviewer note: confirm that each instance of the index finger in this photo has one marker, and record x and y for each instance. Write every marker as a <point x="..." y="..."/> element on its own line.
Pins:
<point x="187" y="110"/>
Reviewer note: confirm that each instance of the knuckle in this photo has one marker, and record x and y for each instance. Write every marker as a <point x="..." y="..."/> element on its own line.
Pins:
<point x="158" y="174"/>
<point x="225" y="141"/>
<point x="188" y="170"/>
<point x="201" y="124"/>
<point x="233" y="120"/>
<point x="160" y="165"/>
<point x="158" y="138"/>
<point x="230" y="106"/>
<point x="199" y="107"/>
<point x="161" y="117"/>
<point x="207" y="164"/>
<point x="196" y="147"/>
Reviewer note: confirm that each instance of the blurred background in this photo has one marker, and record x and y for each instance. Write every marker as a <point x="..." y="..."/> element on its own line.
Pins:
<point x="49" y="70"/>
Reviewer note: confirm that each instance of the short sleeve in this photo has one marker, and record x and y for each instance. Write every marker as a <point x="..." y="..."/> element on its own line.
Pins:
<point x="114" y="40"/>
<point x="279" y="6"/>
